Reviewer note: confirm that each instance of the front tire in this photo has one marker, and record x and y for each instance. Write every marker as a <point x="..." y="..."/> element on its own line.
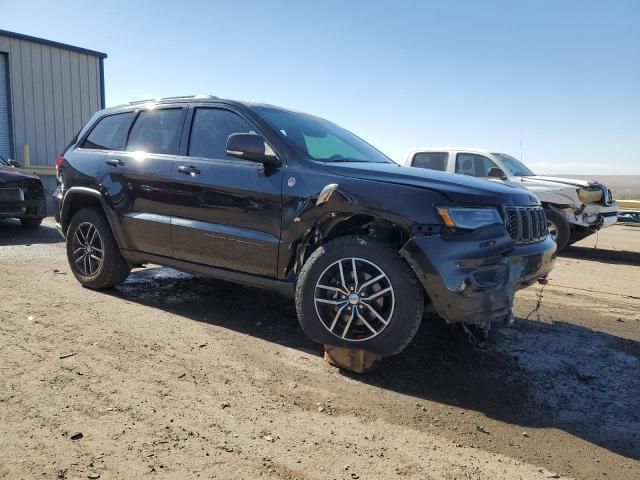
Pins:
<point x="558" y="227"/>
<point x="355" y="292"/>
<point x="92" y="251"/>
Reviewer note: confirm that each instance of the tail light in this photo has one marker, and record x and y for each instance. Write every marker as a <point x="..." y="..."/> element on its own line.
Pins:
<point x="59" y="160"/>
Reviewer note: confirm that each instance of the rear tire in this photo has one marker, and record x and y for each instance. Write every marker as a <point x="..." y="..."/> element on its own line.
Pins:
<point x="31" y="222"/>
<point x="378" y="309"/>
<point x="558" y="227"/>
<point x="92" y="251"/>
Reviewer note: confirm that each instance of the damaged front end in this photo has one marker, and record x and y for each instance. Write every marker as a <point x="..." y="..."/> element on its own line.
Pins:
<point x="21" y="195"/>
<point x="471" y="278"/>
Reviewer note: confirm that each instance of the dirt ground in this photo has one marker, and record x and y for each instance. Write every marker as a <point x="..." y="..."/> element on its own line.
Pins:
<point x="175" y="376"/>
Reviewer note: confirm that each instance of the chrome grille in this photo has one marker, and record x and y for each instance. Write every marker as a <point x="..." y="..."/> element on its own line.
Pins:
<point x="526" y="224"/>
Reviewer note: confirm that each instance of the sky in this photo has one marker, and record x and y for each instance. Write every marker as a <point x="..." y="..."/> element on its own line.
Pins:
<point x="557" y="82"/>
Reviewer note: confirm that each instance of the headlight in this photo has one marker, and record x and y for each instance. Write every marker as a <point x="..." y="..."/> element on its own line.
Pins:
<point x="589" y="196"/>
<point x="469" y="218"/>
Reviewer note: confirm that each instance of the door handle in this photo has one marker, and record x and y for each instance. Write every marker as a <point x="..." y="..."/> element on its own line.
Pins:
<point x="188" y="170"/>
<point x="115" y="162"/>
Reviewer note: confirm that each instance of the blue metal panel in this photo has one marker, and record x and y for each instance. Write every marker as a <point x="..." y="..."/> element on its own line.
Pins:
<point x="5" y="125"/>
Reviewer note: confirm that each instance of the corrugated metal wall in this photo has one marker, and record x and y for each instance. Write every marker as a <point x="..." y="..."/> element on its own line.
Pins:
<point x="53" y="92"/>
<point x="5" y="131"/>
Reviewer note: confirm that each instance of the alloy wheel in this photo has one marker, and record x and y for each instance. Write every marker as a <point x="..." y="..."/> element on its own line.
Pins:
<point x="88" y="250"/>
<point x="354" y="299"/>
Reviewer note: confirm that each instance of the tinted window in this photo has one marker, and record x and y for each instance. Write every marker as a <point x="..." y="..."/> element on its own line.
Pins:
<point x="474" y="165"/>
<point x="431" y="160"/>
<point x="156" y="131"/>
<point x="329" y="145"/>
<point x="110" y="133"/>
<point x="320" y="139"/>
<point x="210" y="130"/>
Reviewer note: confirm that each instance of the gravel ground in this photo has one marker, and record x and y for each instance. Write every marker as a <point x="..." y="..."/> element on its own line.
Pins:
<point x="176" y="376"/>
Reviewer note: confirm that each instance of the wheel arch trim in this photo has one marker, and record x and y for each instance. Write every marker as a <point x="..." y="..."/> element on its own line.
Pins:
<point x="327" y="224"/>
<point x="110" y="215"/>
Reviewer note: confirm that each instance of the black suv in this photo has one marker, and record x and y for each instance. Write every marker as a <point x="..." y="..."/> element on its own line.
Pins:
<point x="264" y="196"/>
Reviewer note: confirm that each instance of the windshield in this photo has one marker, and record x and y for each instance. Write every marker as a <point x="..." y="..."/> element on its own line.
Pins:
<point x="3" y="161"/>
<point x="320" y="139"/>
<point x="516" y="167"/>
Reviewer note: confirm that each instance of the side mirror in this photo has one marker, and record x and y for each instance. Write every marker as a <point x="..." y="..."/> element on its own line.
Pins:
<point x="14" y="163"/>
<point x="495" y="172"/>
<point x="252" y="147"/>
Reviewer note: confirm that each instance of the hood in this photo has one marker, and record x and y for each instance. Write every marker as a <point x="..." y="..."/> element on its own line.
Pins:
<point x="11" y="175"/>
<point x="457" y="188"/>
<point x="555" y="182"/>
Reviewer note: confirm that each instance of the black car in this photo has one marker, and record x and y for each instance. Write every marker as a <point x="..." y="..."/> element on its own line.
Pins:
<point x="21" y="194"/>
<point x="264" y="196"/>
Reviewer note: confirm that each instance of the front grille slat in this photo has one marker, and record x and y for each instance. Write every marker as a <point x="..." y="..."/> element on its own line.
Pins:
<point x="526" y="224"/>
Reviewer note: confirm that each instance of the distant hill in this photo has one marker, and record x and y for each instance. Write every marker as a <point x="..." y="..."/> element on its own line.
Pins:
<point x="624" y="187"/>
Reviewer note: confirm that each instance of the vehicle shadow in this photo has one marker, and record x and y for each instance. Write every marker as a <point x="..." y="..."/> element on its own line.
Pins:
<point x="602" y="255"/>
<point x="13" y="233"/>
<point x="585" y="251"/>
<point x="545" y="374"/>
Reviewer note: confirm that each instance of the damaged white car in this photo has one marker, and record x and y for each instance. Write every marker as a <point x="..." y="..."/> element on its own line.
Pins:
<point x="575" y="209"/>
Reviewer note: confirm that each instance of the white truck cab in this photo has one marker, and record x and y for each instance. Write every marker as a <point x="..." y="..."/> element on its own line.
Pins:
<point x="575" y="209"/>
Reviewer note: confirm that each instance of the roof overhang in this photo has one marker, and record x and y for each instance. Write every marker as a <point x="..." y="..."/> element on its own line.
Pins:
<point x="50" y="43"/>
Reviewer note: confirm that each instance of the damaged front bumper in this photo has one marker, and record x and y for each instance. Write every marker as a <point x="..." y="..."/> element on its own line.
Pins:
<point x="472" y="278"/>
<point x="24" y="205"/>
<point x="592" y="216"/>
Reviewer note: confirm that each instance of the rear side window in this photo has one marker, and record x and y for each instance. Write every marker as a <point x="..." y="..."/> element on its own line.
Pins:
<point x="156" y="131"/>
<point x="210" y="130"/>
<point x="473" y="164"/>
<point x="431" y="160"/>
<point x="110" y="133"/>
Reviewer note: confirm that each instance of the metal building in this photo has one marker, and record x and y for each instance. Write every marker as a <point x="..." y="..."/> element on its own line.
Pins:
<point x="48" y="90"/>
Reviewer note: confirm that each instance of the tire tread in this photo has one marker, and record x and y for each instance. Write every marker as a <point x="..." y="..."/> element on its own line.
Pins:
<point x="113" y="272"/>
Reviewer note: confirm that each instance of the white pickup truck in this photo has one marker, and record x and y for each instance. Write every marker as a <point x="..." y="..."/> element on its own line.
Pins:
<point x="575" y="209"/>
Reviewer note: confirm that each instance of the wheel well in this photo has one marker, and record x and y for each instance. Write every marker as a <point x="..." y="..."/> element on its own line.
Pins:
<point x="76" y="203"/>
<point x="340" y="226"/>
<point x="379" y="229"/>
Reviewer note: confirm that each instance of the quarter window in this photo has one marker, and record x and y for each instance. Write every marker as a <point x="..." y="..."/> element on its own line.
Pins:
<point x="431" y="160"/>
<point x="156" y="131"/>
<point x="473" y="164"/>
<point x="110" y="133"/>
<point x="210" y="130"/>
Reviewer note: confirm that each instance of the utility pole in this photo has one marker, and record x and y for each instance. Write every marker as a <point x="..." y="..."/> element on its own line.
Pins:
<point x="521" y="159"/>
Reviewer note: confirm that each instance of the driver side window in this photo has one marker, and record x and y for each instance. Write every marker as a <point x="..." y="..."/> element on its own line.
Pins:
<point x="210" y="130"/>
<point x="473" y="164"/>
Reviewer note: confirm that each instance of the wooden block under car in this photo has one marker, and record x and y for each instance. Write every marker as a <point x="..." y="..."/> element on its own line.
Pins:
<point x="352" y="359"/>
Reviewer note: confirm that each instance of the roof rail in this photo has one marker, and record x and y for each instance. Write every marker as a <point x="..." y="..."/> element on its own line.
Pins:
<point x="142" y="101"/>
<point x="178" y="97"/>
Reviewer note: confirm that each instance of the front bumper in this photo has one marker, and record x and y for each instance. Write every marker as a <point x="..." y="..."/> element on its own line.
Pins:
<point x="25" y="199"/>
<point x="472" y="278"/>
<point x="35" y="208"/>
<point x="593" y="216"/>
